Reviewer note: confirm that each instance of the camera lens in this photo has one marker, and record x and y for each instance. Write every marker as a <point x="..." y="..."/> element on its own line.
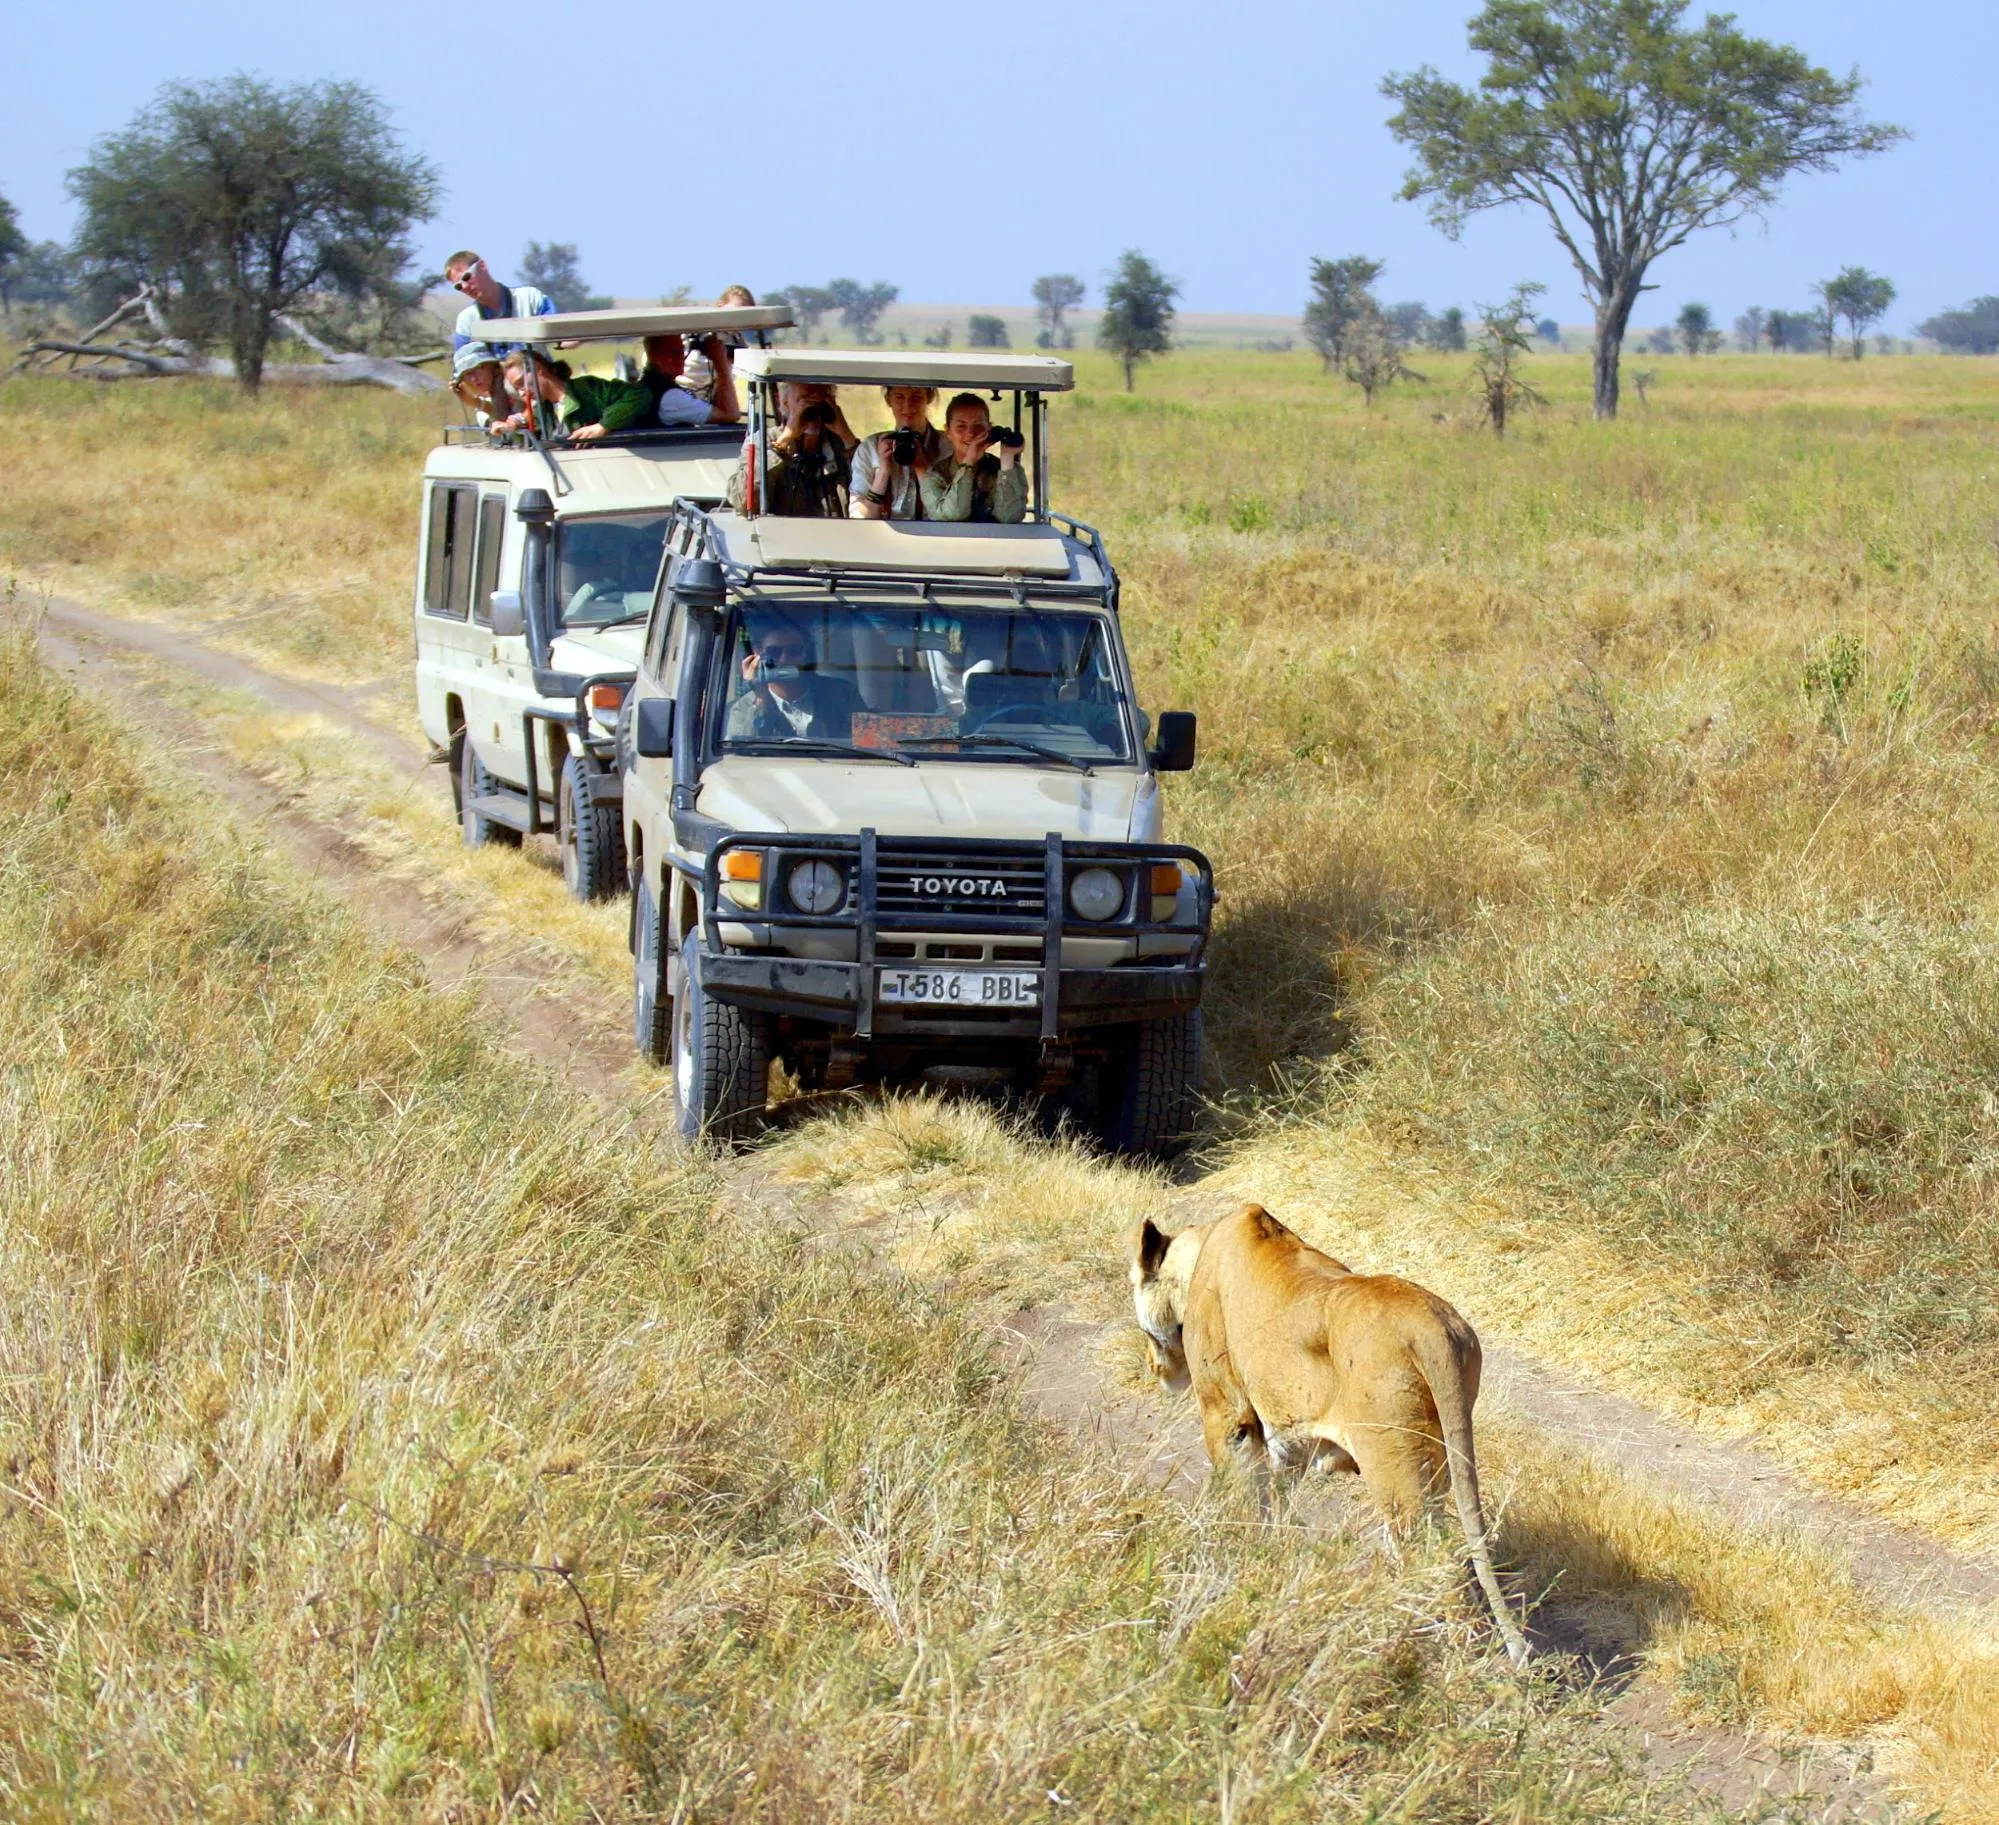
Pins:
<point x="905" y="448"/>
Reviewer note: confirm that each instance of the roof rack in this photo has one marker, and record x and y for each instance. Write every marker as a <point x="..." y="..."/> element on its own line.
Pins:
<point x="767" y="580"/>
<point x="629" y="325"/>
<point x="909" y="367"/>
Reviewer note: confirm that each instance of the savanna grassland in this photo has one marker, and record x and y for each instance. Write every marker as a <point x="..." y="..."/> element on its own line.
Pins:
<point x="1605" y="821"/>
<point x="389" y="1432"/>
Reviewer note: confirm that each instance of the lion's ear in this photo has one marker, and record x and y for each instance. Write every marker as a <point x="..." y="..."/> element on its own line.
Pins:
<point x="1152" y="1246"/>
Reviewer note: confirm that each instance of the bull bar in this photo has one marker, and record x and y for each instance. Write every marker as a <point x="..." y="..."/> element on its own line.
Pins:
<point x="1070" y="999"/>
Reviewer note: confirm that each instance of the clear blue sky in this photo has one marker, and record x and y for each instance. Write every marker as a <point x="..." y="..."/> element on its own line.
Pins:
<point x="960" y="151"/>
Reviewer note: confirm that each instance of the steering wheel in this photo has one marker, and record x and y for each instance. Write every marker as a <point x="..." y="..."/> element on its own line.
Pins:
<point x="1009" y="712"/>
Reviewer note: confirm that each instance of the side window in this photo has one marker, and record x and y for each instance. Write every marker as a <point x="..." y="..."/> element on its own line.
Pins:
<point x="447" y="569"/>
<point x="660" y="640"/>
<point x="486" y="572"/>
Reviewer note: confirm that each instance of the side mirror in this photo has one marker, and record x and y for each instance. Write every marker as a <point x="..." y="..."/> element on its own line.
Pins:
<point x="509" y="619"/>
<point x="652" y="728"/>
<point x="1175" y="752"/>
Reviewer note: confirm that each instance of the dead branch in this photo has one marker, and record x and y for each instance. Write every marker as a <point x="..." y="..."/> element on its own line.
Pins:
<point x="92" y="358"/>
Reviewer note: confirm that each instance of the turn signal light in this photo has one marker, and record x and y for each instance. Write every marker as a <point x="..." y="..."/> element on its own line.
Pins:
<point x="1166" y="879"/>
<point x="742" y="872"/>
<point x="607" y="697"/>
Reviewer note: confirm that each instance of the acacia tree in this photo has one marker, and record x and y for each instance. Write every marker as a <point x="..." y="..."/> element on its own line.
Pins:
<point x="1342" y="294"/>
<point x="1137" y="323"/>
<point x="860" y="306"/>
<point x="1698" y="335"/>
<point x="1056" y="294"/>
<point x="1751" y="326"/>
<point x="1626" y="131"/>
<point x="1371" y="355"/>
<point x="242" y="201"/>
<point x="554" y="267"/>
<point x="1499" y="345"/>
<point x="13" y="244"/>
<point x="1861" y="297"/>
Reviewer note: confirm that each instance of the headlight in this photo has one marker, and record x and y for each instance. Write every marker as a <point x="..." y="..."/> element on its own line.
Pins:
<point x="815" y="887"/>
<point x="1096" y="893"/>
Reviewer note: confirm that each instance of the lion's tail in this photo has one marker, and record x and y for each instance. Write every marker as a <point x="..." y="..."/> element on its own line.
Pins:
<point x="1445" y="1374"/>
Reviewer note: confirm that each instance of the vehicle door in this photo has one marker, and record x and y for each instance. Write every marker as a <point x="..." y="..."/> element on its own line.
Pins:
<point x="465" y="528"/>
<point x="649" y="780"/>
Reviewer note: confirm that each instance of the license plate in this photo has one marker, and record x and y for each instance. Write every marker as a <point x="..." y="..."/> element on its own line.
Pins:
<point x="963" y="988"/>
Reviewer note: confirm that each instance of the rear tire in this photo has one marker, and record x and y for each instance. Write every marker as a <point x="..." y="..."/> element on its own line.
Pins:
<point x="721" y="1060"/>
<point x="1149" y="1092"/>
<point x="474" y="782"/>
<point x="652" y="1010"/>
<point x="590" y="836"/>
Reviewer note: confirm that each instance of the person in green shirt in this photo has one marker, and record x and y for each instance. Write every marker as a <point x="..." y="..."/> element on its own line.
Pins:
<point x="979" y="477"/>
<point x="586" y="405"/>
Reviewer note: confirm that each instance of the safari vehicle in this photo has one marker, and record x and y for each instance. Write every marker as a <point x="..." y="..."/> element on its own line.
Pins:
<point x="537" y="567"/>
<point x="949" y="859"/>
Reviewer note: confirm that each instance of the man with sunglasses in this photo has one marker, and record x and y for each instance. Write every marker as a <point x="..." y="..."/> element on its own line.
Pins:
<point x="784" y="698"/>
<point x="475" y="362"/>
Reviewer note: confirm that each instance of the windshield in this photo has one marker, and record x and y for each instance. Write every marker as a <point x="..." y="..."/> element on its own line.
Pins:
<point x="1002" y="684"/>
<point x="605" y="568"/>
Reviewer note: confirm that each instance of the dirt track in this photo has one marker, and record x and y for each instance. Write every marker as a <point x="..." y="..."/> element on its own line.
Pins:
<point x="1060" y="1357"/>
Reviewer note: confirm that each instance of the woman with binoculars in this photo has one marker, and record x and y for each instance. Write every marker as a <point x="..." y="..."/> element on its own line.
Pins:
<point x="979" y="477"/>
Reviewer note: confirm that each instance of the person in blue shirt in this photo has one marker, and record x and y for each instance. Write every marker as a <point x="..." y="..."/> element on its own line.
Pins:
<point x="475" y="362"/>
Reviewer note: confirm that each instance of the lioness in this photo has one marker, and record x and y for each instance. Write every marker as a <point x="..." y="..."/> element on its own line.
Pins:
<point x="1295" y="1357"/>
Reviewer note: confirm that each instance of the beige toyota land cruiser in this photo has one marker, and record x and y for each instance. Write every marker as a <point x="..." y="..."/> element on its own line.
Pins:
<point x="889" y="803"/>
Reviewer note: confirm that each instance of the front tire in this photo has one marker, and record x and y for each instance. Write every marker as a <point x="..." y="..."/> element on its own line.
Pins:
<point x="1149" y="1093"/>
<point x="474" y="782"/>
<point x="652" y="1010"/>
<point x="589" y="835"/>
<point x="721" y="1060"/>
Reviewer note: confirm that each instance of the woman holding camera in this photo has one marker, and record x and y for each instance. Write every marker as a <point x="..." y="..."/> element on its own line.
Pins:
<point x="888" y="469"/>
<point x="979" y="477"/>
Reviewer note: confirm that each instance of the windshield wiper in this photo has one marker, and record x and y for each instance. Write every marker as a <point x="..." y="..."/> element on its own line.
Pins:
<point x="1054" y="756"/>
<point x="847" y="748"/>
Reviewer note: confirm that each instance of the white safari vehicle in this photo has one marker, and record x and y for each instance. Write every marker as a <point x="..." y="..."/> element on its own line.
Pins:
<point x="889" y="803"/>
<point x="537" y="566"/>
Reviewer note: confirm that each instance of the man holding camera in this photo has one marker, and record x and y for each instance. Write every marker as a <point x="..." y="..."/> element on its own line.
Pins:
<point x="888" y="470"/>
<point x="980" y="476"/>
<point x="807" y="475"/>
<point x="784" y="696"/>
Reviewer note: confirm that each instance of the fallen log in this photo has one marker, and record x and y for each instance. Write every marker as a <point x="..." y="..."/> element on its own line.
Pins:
<point x="168" y="358"/>
<point x="126" y="361"/>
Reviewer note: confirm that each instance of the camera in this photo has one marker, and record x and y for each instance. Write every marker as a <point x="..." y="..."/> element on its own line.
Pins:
<point x="1005" y="439"/>
<point x="905" y="448"/>
<point x="817" y="413"/>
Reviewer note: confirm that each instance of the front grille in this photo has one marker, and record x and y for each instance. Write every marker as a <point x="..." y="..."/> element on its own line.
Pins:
<point x="909" y="881"/>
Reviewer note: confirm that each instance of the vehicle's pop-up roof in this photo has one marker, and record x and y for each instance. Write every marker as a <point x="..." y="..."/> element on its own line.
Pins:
<point x="629" y="325"/>
<point x="909" y="368"/>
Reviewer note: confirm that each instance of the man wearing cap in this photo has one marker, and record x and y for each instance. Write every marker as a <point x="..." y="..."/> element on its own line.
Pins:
<point x="475" y="362"/>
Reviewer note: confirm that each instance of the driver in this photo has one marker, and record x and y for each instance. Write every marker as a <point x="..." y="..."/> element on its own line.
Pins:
<point x="785" y="698"/>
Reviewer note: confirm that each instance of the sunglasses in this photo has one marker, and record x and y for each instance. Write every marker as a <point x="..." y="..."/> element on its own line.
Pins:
<point x="781" y="655"/>
<point x="464" y="280"/>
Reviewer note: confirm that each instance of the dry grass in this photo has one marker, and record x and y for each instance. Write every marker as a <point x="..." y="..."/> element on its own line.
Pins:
<point x="1606" y="822"/>
<point x="1741" y="1630"/>
<point x="386" y="1435"/>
